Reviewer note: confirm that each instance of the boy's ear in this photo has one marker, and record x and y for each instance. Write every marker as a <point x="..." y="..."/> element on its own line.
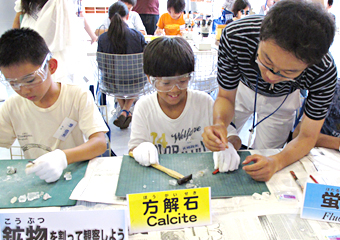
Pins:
<point x="52" y="65"/>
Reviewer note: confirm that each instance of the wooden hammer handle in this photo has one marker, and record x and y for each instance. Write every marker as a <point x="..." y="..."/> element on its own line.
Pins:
<point x="168" y="171"/>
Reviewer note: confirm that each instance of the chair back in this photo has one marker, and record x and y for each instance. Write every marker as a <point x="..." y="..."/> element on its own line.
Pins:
<point x="122" y="75"/>
<point x="204" y="77"/>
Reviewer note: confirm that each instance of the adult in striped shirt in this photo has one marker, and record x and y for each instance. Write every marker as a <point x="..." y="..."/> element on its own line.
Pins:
<point x="263" y="63"/>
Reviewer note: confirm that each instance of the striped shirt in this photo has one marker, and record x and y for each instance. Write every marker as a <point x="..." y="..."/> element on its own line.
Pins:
<point x="236" y="61"/>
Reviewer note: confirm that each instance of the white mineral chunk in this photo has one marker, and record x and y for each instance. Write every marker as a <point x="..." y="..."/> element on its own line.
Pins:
<point x="32" y="196"/>
<point x="68" y="176"/>
<point x="14" y="199"/>
<point x="22" y="198"/>
<point x="190" y="185"/>
<point x="173" y="182"/>
<point x="46" y="196"/>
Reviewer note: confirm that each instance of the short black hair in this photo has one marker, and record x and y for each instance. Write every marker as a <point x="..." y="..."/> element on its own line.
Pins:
<point x="177" y="5"/>
<point x="166" y="57"/>
<point x="22" y="45"/>
<point x="302" y="28"/>
<point x="132" y="2"/>
<point x="239" y="5"/>
<point x="330" y="2"/>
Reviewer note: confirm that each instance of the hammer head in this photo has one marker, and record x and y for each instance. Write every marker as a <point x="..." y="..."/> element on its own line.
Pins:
<point x="185" y="179"/>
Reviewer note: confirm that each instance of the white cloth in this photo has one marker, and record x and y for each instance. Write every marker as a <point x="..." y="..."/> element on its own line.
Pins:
<point x="134" y="22"/>
<point x="57" y="23"/>
<point x="34" y="127"/>
<point x="181" y="135"/>
<point x="273" y="131"/>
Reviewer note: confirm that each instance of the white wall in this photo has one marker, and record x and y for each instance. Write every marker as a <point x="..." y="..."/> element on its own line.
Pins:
<point x="7" y="15"/>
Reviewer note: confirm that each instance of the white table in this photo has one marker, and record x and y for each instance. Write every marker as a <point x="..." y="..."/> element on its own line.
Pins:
<point x="233" y="218"/>
<point x="248" y="217"/>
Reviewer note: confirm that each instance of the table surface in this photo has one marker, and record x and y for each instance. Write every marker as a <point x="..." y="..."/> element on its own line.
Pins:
<point x="238" y="217"/>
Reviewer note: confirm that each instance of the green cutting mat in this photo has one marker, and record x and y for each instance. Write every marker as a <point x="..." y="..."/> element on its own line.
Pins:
<point x="134" y="178"/>
<point x="20" y="184"/>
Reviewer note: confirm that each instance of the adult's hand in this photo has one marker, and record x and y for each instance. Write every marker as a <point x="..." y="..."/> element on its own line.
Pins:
<point x="262" y="169"/>
<point x="215" y="137"/>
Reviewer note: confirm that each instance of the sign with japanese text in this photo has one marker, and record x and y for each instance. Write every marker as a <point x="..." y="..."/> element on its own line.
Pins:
<point x="321" y="202"/>
<point x="157" y="211"/>
<point x="64" y="225"/>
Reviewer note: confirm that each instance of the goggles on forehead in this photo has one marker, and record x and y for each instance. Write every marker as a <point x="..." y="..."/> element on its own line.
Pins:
<point x="30" y="80"/>
<point x="166" y="84"/>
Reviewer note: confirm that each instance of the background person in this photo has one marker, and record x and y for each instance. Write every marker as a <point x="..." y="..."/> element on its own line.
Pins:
<point x="120" y="39"/>
<point x="329" y="136"/>
<point x="57" y="23"/>
<point x="133" y="20"/>
<point x="265" y="8"/>
<point x="240" y="9"/>
<point x="172" y="22"/>
<point x="148" y="10"/>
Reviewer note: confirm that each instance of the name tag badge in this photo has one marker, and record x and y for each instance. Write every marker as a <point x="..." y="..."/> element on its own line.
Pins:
<point x="65" y="129"/>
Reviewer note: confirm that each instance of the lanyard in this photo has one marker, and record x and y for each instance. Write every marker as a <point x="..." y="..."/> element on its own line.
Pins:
<point x="79" y="7"/>
<point x="254" y="125"/>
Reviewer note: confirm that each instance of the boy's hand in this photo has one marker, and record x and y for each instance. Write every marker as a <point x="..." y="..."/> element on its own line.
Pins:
<point x="227" y="160"/>
<point x="159" y="32"/>
<point x="49" y="166"/>
<point x="146" y="154"/>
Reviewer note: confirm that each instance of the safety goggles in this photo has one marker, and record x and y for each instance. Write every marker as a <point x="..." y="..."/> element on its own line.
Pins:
<point x="30" y="80"/>
<point x="166" y="84"/>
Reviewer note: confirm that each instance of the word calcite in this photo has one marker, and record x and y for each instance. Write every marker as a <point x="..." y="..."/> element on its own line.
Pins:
<point x="154" y="221"/>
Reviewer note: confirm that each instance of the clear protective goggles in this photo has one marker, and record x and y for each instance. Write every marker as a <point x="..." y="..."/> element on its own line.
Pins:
<point x="166" y="84"/>
<point x="30" y="80"/>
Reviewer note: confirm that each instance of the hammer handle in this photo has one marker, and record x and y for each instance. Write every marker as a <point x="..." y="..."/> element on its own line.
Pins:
<point x="168" y="171"/>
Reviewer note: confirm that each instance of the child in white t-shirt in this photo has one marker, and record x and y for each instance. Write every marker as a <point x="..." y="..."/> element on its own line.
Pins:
<point x="55" y="123"/>
<point x="173" y="119"/>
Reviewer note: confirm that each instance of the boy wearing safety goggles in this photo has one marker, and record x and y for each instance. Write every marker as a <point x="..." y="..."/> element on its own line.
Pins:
<point x="50" y="120"/>
<point x="172" y="119"/>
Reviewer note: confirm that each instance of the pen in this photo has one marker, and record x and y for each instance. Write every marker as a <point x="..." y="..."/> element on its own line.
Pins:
<point x="296" y="180"/>
<point x="314" y="180"/>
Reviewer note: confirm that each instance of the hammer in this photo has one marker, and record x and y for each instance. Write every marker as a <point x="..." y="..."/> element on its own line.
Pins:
<point x="181" y="179"/>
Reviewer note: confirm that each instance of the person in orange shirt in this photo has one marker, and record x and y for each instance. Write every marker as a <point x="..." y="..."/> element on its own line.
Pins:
<point x="170" y="23"/>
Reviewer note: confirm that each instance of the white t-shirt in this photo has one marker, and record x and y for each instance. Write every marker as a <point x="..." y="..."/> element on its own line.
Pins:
<point x="34" y="127"/>
<point x="134" y="22"/>
<point x="181" y="135"/>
